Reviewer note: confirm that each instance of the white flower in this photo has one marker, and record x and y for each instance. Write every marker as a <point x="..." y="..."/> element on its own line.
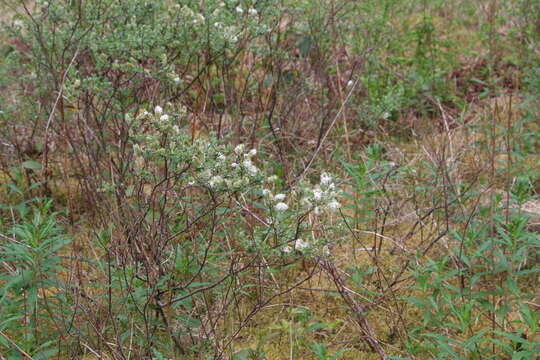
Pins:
<point x="239" y="10"/>
<point x="287" y="249"/>
<point x="350" y="83"/>
<point x="206" y="174"/>
<point x="281" y="206"/>
<point x="239" y="149"/>
<point x="18" y="23"/>
<point x="252" y="169"/>
<point x="300" y="244"/>
<point x="333" y="206"/>
<point x="191" y="183"/>
<point x="326" y="179"/>
<point x="234" y="165"/>
<point x="279" y="197"/>
<point x="326" y="250"/>
<point x="272" y="178"/>
<point x="317" y="194"/>
<point x="266" y="192"/>
<point x="317" y="210"/>
<point x="158" y="110"/>
<point x="252" y="11"/>
<point x="215" y="180"/>
<point x="221" y="157"/>
<point x="252" y="152"/>
<point x="164" y="117"/>
<point x="176" y="80"/>
<point x="199" y="17"/>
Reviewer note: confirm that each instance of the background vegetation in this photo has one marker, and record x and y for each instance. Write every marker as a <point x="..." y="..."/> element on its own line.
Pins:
<point x="269" y="179"/>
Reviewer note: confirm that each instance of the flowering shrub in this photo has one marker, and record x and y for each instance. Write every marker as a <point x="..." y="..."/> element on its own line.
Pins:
<point x="209" y="168"/>
<point x="190" y="225"/>
<point x="215" y="209"/>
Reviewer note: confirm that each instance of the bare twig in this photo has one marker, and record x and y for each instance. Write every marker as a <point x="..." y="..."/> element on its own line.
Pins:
<point x="14" y="344"/>
<point x="359" y="311"/>
<point x="310" y="162"/>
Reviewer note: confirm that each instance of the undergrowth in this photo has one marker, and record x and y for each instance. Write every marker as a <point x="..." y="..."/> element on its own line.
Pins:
<point x="268" y="180"/>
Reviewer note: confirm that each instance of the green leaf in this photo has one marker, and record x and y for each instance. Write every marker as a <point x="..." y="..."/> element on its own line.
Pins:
<point x="196" y="284"/>
<point x="243" y="354"/>
<point x="190" y="322"/>
<point x="32" y="165"/>
<point x="316" y="327"/>
<point x="305" y="45"/>
<point x="45" y="354"/>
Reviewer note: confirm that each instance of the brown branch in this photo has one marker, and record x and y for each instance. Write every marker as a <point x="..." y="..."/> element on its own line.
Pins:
<point x="359" y="310"/>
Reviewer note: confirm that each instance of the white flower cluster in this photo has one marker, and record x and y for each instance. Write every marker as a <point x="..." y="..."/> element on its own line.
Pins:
<point x="306" y="246"/>
<point x="227" y="30"/>
<point x="158" y="124"/>
<point x="322" y="197"/>
<point x="163" y="121"/>
<point x="234" y="171"/>
<point x="251" y="11"/>
<point x="161" y="136"/>
<point x="188" y="13"/>
<point x="244" y="160"/>
<point x="230" y="33"/>
<point x="156" y="135"/>
<point x="278" y="200"/>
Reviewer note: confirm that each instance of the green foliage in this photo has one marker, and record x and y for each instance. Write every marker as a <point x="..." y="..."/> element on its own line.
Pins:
<point x="321" y="351"/>
<point x="189" y="142"/>
<point x="33" y="302"/>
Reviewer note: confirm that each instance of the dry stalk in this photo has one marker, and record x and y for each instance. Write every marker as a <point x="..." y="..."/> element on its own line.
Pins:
<point x="359" y="311"/>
